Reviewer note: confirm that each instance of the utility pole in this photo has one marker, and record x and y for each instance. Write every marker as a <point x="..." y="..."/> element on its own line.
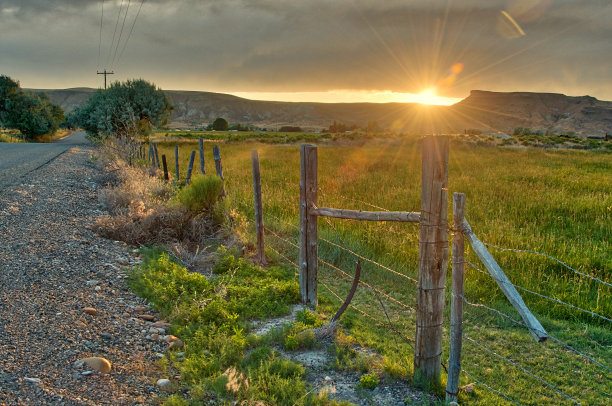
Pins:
<point x="105" y="73"/>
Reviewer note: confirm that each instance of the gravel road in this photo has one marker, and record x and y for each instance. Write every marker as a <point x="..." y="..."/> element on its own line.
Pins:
<point x="51" y="267"/>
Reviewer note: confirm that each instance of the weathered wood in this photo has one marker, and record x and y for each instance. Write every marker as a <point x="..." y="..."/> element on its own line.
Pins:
<point x="202" y="169"/>
<point x="176" y="162"/>
<point x="165" y="165"/>
<point x="308" y="260"/>
<point x="190" y="168"/>
<point x="217" y="156"/>
<point x="150" y="153"/>
<point x="433" y="258"/>
<point x="504" y="283"/>
<point x="156" y="156"/>
<point x="403" y="216"/>
<point x="456" y="324"/>
<point x="259" y="225"/>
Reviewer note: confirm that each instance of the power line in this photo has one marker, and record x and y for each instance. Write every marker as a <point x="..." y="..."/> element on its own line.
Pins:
<point x="100" y="40"/>
<point x="110" y="49"/>
<point x="127" y="9"/>
<point x="130" y="33"/>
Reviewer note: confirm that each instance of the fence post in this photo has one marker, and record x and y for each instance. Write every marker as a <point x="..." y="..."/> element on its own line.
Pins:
<point x="150" y="154"/>
<point x="176" y="162"/>
<point x="259" y="226"/>
<point x="433" y="259"/>
<point x="202" y="170"/>
<point x="217" y="156"/>
<point x="456" y="324"/>
<point x="166" y="177"/>
<point x="190" y="168"/>
<point x="308" y="225"/>
<point x="156" y="155"/>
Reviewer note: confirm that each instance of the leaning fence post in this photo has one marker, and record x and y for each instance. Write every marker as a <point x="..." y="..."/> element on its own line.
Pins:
<point x="150" y="154"/>
<point x="433" y="259"/>
<point x="202" y="170"/>
<point x="176" y="162"/>
<point x="259" y="226"/>
<point x="308" y="259"/>
<point x="190" y="168"/>
<point x="166" y="177"/>
<point x="456" y="324"/>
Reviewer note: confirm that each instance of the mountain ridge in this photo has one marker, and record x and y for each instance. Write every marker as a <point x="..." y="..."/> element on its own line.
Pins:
<point x="482" y="110"/>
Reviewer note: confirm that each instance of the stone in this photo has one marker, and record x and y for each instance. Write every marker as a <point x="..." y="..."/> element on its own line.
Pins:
<point x="91" y="282"/>
<point x="170" y="338"/>
<point x="85" y="373"/>
<point x="106" y="336"/>
<point x="161" y="324"/>
<point x="176" y="344"/>
<point x="140" y="308"/>
<point x="98" y="363"/>
<point x="31" y="380"/>
<point x="97" y="289"/>
<point x="163" y="384"/>
<point x="155" y="337"/>
<point x="90" y="310"/>
<point x="467" y="388"/>
<point x="146" y="317"/>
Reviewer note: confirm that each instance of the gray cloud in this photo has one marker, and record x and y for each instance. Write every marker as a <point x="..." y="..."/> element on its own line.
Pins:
<point x="313" y="45"/>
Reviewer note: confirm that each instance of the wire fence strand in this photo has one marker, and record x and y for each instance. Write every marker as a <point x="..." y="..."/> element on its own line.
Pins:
<point x="550" y="385"/>
<point x="550" y="257"/>
<point x="490" y="388"/>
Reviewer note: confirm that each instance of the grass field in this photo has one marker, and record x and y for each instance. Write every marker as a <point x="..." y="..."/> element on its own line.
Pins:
<point x="557" y="202"/>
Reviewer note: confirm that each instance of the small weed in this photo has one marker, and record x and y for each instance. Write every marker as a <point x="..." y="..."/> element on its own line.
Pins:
<point x="369" y="381"/>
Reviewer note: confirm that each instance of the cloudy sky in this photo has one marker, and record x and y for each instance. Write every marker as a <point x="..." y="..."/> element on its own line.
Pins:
<point x="327" y="50"/>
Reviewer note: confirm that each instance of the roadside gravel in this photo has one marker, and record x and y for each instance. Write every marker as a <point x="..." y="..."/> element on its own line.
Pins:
<point x="52" y="266"/>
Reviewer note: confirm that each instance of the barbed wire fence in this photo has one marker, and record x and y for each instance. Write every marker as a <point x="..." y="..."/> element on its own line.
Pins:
<point x="286" y="246"/>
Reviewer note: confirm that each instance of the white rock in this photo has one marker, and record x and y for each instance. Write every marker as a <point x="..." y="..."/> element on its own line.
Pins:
<point x="91" y="282"/>
<point x="31" y="380"/>
<point x="163" y="383"/>
<point x="97" y="289"/>
<point x="85" y="373"/>
<point x="327" y="379"/>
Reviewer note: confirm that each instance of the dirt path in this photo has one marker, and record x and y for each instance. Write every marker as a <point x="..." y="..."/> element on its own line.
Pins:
<point x="51" y="266"/>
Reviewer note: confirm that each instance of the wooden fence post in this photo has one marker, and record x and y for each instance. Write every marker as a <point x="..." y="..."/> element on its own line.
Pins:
<point x="165" y="165"/>
<point x="217" y="156"/>
<point x="456" y="324"/>
<point x="308" y="225"/>
<point x="433" y="259"/>
<point x="156" y="155"/>
<point x="150" y="154"/>
<point x="190" y="168"/>
<point x="202" y="170"/>
<point x="259" y="225"/>
<point x="176" y="162"/>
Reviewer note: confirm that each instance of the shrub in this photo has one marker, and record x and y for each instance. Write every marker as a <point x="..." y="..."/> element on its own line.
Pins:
<point x="369" y="381"/>
<point x="202" y="194"/>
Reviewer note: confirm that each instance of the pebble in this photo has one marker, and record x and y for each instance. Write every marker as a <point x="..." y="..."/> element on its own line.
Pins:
<point x="170" y="338"/>
<point x="91" y="282"/>
<point x="327" y="379"/>
<point x="163" y="383"/>
<point x="161" y="324"/>
<point x="85" y="373"/>
<point x="31" y="380"/>
<point x="176" y="345"/>
<point x="159" y="355"/>
<point x="146" y="317"/>
<point x="98" y="363"/>
<point x="90" y="310"/>
<point x="97" y="289"/>
<point x="106" y="336"/>
<point x="140" y="308"/>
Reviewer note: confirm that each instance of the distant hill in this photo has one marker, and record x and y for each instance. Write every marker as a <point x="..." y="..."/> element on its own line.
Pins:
<point x="483" y="110"/>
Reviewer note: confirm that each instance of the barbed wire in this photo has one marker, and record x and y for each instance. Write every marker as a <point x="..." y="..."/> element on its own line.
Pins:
<point x="284" y="257"/>
<point x="538" y="294"/>
<point x="281" y="238"/>
<point x="367" y="285"/>
<point x="520" y="323"/>
<point x="550" y="257"/>
<point x="489" y="388"/>
<point x="550" y="385"/>
<point x="368" y="260"/>
<point x="282" y="221"/>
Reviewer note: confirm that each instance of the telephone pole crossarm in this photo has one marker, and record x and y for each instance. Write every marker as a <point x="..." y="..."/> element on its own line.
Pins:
<point x="105" y="73"/>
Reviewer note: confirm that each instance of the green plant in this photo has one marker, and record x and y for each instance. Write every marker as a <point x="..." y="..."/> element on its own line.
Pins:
<point x="201" y="194"/>
<point x="369" y="381"/>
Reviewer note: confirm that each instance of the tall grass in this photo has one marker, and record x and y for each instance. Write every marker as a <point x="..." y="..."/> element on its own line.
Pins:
<point x="552" y="201"/>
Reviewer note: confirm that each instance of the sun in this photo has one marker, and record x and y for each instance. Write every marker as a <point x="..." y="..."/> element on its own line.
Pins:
<point x="429" y="96"/>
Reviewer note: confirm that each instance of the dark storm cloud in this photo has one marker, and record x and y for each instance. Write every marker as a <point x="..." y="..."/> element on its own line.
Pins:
<point x="315" y="45"/>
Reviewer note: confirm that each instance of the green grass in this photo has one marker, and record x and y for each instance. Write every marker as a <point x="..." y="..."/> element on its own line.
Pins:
<point x="558" y="202"/>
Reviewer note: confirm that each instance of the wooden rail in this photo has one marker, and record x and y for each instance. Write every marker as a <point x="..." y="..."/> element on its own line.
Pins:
<point x="403" y="216"/>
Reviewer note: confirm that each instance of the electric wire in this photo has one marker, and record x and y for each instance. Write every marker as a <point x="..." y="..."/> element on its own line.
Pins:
<point x="130" y="33"/>
<point x="127" y="9"/>
<point x="110" y="49"/>
<point x="100" y="39"/>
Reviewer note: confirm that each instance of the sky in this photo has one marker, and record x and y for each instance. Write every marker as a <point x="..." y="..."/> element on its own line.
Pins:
<point x="430" y="51"/>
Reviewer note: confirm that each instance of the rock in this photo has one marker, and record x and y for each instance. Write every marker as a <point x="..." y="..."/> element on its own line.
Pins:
<point x="31" y="380"/>
<point x="159" y="355"/>
<point x="163" y="384"/>
<point x="90" y="310"/>
<point x="92" y="282"/>
<point x="98" y="363"/>
<point x="327" y="379"/>
<point x="176" y="345"/>
<point x="146" y="317"/>
<point x="85" y="373"/>
<point x="106" y="336"/>
<point x="170" y="338"/>
<point x="155" y="337"/>
<point x="97" y="289"/>
<point x="140" y="309"/>
<point x="161" y="324"/>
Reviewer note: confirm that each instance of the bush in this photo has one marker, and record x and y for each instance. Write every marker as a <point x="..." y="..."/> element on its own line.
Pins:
<point x="369" y="381"/>
<point x="201" y="194"/>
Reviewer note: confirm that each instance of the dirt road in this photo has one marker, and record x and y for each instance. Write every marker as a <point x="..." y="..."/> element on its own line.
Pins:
<point x="52" y="266"/>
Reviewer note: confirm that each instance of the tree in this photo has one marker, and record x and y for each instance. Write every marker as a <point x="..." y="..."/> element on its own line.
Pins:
<point x="220" y="124"/>
<point x="32" y="114"/>
<point x="123" y="110"/>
